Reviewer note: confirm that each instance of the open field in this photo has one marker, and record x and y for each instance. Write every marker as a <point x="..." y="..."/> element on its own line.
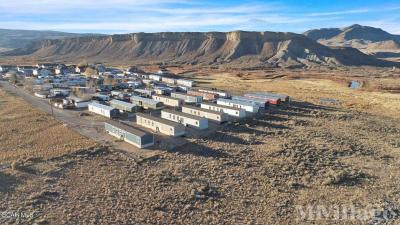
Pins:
<point x="26" y="132"/>
<point x="258" y="171"/>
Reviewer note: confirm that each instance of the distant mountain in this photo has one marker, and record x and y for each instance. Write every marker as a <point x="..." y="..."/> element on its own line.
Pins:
<point x="364" y="38"/>
<point x="234" y="49"/>
<point x="12" y="39"/>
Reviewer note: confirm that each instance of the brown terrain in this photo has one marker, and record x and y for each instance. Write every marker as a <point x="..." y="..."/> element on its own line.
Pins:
<point x="237" y="49"/>
<point x="341" y="151"/>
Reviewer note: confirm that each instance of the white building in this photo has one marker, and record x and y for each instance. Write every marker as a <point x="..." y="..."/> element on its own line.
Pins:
<point x="206" y="113"/>
<point x="248" y="106"/>
<point x="235" y="112"/>
<point x="221" y="94"/>
<point x="155" y="77"/>
<point x="169" y="101"/>
<point x="160" y="125"/>
<point x="260" y="103"/>
<point x="185" y="119"/>
<point x="103" y="110"/>
<point x="187" y="98"/>
<point x="187" y="83"/>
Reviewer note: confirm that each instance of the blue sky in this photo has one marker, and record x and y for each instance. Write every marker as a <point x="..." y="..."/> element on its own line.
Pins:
<point x="125" y="16"/>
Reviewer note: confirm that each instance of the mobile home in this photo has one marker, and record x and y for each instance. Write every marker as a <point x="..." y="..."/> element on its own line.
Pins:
<point x="124" y="106"/>
<point x="273" y="100"/>
<point x="169" y="101"/>
<point x="206" y="113"/>
<point x="155" y="77"/>
<point x="103" y="110"/>
<point x="187" y="98"/>
<point x="206" y="96"/>
<point x="259" y="102"/>
<point x="160" y="125"/>
<point x="147" y="103"/>
<point x="187" y="83"/>
<point x="185" y="119"/>
<point x="168" y="80"/>
<point x="235" y="112"/>
<point x="248" y="106"/>
<point x="221" y="94"/>
<point x="284" y="98"/>
<point x="144" y="92"/>
<point x="129" y="134"/>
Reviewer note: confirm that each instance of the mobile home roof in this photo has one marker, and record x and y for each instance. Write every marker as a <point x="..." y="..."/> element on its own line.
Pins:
<point x="147" y="100"/>
<point x="126" y="104"/>
<point x="239" y="102"/>
<point x="127" y="128"/>
<point x="98" y="105"/>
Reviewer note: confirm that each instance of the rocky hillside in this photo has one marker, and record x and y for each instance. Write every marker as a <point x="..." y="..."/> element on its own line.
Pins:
<point x="13" y="39"/>
<point x="364" y="38"/>
<point x="236" y="49"/>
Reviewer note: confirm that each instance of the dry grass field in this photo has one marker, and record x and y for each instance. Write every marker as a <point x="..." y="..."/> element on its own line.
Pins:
<point x="26" y="132"/>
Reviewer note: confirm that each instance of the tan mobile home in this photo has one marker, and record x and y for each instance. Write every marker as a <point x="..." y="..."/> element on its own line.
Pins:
<point x="169" y="101"/>
<point x="185" y="119"/>
<point x="160" y="125"/>
<point x="206" y="113"/>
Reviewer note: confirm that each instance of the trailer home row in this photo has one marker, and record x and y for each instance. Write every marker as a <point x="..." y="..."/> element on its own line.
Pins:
<point x="185" y="119"/>
<point x="187" y="98"/>
<point x="206" y="113"/>
<point x="169" y="101"/>
<point x="129" y="134"/>
<point x="235" y="112"/>
<point x="103" y="110"/>
<point x="147" y="103"/>
<point x="160" y="125"/>
<point x="247" y="106"/>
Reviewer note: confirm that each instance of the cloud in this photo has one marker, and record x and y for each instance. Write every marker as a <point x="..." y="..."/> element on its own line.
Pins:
<point x="336" y="13"/>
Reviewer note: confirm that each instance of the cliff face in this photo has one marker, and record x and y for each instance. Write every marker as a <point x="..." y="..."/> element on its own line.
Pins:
<point x="238" y="48"/>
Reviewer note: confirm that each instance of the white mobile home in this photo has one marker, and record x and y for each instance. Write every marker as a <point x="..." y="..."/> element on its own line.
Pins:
<point x="168" y="80"/>
<point x="103" y="110"/>
<point x="187" y="98"/>
<point x="248" y="106"/>
<point x="206" y="113"/>
<point x="284" y="98"/>
<point x="221" y="94"/>
<point x="155" y="77"/>
<point x="169" y="101"/>
<point x="147" y="103"/>
<point x="160" y="125"/>
<point x="187" y="83"/>
<point x="144" y="92"/>
<point x="129" y="134"/>
<point x="235" y="112"/>
<point x="260" y="103"/>
<point x="185" y="119"/>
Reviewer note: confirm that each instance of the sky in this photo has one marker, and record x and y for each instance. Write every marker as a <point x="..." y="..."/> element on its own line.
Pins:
<point x="128" y="16"/>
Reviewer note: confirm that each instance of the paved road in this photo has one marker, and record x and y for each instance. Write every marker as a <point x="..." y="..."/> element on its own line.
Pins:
<point x="88" y="128"/>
